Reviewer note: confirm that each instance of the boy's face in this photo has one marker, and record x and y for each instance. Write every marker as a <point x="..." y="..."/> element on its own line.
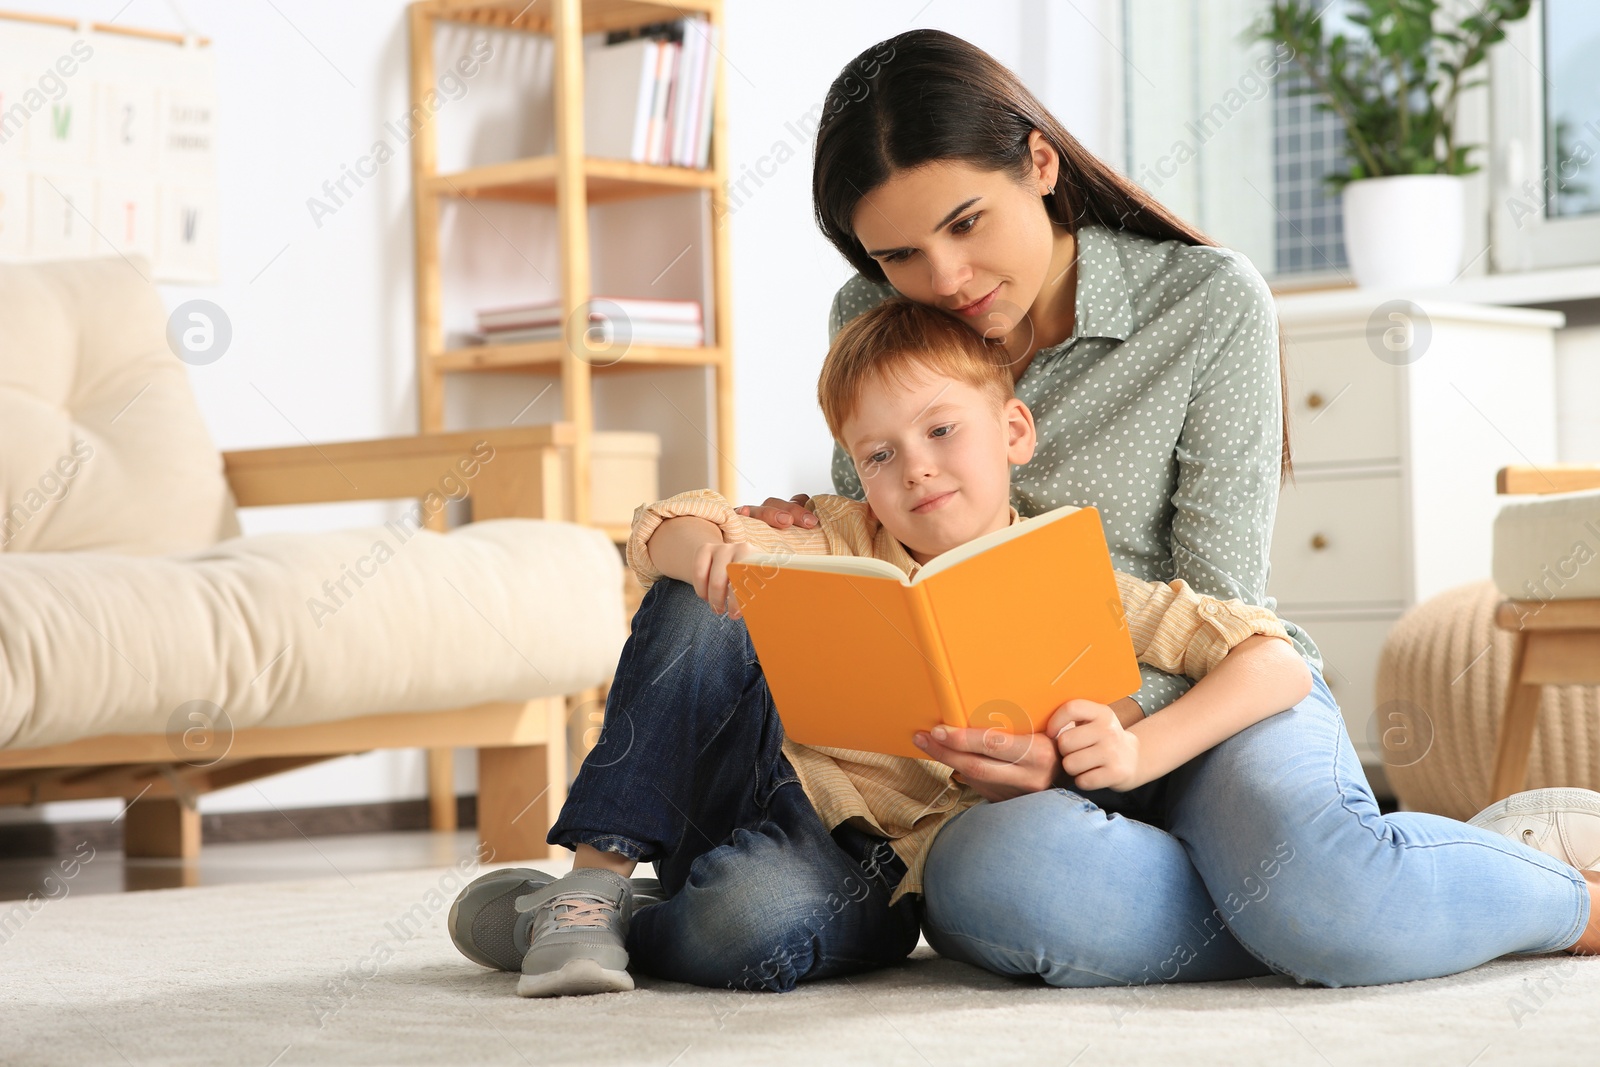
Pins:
<point x="935" y="456"/>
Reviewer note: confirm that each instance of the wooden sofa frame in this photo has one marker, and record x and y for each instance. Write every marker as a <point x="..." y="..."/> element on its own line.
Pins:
<point x="1557" y="641"/>
<point x="522" y="746"/>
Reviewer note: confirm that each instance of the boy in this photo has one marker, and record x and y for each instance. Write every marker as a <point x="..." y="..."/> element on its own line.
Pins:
<point x="767" y="896"/>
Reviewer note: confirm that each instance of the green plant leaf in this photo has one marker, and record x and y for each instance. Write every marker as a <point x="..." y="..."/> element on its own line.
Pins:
<point x="1395" y="84"/>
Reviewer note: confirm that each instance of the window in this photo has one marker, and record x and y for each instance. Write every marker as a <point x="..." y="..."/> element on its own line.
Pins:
<point x="1215" y="134"/>
<point x="1546" y="161"/>
<point x="1307" y="143"/>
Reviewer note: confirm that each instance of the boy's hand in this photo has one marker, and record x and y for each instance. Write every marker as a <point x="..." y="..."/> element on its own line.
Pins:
<point x="711" y="574"/>
<point x="1095" y="750"/>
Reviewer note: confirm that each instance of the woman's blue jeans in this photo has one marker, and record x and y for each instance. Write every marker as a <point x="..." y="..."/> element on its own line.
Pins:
<point x="689" y="773"/>
<point x="1265" y="854"/>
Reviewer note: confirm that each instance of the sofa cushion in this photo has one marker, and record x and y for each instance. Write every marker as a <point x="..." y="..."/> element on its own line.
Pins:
<point x="292" y="628"/>
<point x="102" y="446"/>
<point x="1548" y="547"/>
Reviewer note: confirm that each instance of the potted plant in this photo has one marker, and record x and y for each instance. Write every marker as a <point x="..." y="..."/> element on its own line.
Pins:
<point x="1395" y="85"/>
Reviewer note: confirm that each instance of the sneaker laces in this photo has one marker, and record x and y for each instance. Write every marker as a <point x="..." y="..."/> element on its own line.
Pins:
<point x="581" y="909"/>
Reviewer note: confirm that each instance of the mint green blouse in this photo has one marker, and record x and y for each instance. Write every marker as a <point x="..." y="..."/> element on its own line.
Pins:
<point x="1163" y="410"/>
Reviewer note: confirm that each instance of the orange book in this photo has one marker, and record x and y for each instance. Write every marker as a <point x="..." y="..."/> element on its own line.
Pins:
<point x="996" y="633"/>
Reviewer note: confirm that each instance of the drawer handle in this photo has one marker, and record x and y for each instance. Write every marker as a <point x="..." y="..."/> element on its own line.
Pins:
<point x="1314" y="401"/>
<point x="1319" y="542"/>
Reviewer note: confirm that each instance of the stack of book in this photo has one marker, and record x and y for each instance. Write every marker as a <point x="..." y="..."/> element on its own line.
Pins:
<point x="612" y="320"/>
<point x="647" y="94"/>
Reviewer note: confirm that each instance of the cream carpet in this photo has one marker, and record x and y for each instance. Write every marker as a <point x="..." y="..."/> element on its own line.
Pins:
<point x="332" y="971"/>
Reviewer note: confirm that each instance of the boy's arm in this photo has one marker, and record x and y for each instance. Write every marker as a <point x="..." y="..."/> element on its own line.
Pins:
<point x="667" y="534"/>
<point x="1240" y="654"/>
<point x="1260" y="677"/>
<point x="673" y="546"/>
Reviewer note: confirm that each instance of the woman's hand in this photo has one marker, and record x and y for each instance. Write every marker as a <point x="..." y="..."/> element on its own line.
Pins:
<point x="780" y="514"/>
<point x="710" y="574"/>
<point x="996" y="764"/>
<point x="1094" y="748"/>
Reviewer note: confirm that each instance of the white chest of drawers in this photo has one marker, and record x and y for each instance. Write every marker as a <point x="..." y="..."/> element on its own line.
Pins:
<point x="1400" y="414"/>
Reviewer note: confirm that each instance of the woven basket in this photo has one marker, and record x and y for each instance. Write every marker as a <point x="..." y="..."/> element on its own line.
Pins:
<point x="1441" y="692"/>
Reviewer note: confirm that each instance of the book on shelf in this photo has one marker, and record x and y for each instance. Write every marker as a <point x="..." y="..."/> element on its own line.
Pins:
<point x="548" y="312"/>
<point x="616" y="79"/>
<point x="996" y="633"/>
<point x="648" y="94"/>
<point x="603" y="332"/>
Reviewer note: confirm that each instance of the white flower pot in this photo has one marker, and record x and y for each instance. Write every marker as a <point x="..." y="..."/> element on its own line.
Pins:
<point x="1406" y="230"/>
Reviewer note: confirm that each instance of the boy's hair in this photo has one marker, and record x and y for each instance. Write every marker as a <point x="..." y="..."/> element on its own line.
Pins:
<point x="897" y="339"/>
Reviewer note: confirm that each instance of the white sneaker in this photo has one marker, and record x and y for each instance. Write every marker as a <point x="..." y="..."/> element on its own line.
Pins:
<point x="1564" y="823"/>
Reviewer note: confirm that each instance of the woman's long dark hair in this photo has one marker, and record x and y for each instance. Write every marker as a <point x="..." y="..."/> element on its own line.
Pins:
<point x="927" y="96"/>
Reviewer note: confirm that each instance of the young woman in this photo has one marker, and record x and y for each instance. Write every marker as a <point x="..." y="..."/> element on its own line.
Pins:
<point x="1152" y="362"/>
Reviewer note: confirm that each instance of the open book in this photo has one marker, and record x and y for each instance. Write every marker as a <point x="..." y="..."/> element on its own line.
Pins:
<point x="996" y="633"/>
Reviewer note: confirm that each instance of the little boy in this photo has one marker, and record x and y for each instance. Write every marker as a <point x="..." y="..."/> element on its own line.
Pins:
<point x="925" y="408"/>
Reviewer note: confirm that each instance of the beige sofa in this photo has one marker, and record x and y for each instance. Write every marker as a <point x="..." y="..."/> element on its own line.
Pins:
<point x="147" y="651"/>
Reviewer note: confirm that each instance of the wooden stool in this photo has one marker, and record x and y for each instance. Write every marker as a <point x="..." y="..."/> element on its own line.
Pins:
<point x="1557" y="641"/>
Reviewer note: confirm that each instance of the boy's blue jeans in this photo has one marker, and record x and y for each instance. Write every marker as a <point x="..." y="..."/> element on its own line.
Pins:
<point x="689" y="774"/>
<point x="1266" y="854"/>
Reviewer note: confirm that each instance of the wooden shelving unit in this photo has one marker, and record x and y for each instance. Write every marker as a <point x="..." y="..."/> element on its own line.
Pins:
<point x="570" y="182"/>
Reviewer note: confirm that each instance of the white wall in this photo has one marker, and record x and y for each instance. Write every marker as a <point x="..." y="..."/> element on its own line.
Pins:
<point x="322" y="313"/>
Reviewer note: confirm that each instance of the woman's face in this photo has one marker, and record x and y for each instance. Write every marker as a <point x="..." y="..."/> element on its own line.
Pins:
<point x="975" y="243"/>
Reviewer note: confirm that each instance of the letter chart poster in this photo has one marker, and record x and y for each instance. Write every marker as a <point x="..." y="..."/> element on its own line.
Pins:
<point x="108" y="146"/>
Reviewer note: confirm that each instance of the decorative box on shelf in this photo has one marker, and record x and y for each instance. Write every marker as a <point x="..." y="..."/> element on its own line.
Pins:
<point x="624" y="473"/>
<point x="1400" y="413"/>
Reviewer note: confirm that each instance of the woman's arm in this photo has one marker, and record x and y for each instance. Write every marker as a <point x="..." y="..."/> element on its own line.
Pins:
<point x="1259" y="678"/>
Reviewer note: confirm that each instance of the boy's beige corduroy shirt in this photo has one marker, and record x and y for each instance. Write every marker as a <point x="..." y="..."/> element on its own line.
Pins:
<point x="906" y="800"/>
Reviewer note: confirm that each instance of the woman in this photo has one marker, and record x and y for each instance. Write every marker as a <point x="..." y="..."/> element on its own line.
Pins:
<point x="1152" y="362"/>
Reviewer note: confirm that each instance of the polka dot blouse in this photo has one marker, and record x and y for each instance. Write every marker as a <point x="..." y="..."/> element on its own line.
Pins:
<point x="1163" y="410"/>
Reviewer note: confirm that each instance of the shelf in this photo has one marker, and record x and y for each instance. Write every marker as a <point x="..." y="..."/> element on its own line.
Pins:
<point x="598" y="15"/>
<point x="585" y="180"/>
<point x="534" y="181"/>
<point x="545" y="357"/>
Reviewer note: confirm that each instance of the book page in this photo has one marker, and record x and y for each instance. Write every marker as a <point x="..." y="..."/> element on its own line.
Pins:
<point x="946" y="560"/>
<point x="865" y="566"/>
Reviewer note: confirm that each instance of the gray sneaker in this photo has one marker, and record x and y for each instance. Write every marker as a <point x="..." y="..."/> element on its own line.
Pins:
<point x="484" y="922"/>
<point x="577" y="935"/>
